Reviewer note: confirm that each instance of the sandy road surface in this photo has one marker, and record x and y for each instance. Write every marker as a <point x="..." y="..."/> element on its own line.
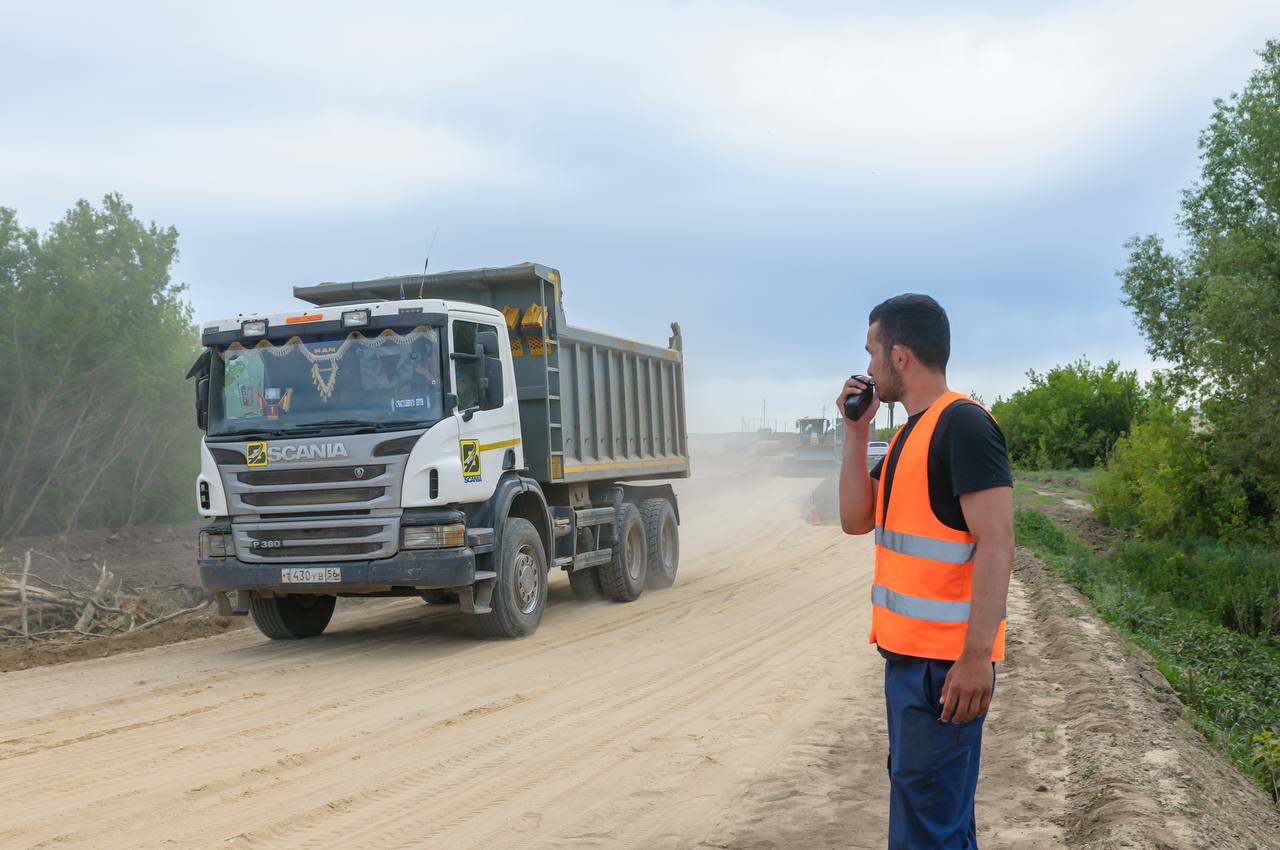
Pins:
<point x="622" y="725"/>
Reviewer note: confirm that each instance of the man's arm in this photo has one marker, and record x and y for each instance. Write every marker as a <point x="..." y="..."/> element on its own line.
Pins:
<point x="857" y="489"/>
<point x="966" y="694"/>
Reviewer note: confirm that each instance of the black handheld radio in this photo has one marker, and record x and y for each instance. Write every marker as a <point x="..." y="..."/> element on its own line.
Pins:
<point x="856" y="405"/>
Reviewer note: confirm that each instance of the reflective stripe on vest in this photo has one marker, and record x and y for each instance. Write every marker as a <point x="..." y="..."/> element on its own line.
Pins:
<point x="919" y="609"/>
<point x="928" y="548"/>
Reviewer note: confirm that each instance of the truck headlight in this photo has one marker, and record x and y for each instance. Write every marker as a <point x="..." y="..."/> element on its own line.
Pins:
<point x="214" y="544"/>
<point x="435" y="536"/>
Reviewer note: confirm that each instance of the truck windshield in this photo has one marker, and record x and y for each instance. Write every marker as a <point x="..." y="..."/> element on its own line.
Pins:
<point x="308" y="383"/>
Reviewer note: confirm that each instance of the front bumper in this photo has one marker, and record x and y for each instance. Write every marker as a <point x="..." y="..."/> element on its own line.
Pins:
<point x="409" y="569"/>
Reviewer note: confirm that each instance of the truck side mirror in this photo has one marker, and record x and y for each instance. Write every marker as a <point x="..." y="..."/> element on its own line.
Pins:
<point x="202" y="403"/>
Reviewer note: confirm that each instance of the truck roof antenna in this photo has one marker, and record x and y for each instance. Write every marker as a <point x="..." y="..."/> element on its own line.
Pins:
<point x="422" y="286"/>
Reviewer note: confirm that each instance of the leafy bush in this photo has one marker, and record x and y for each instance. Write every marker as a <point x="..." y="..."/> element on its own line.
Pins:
<point x="1266" y="758"/>
<point x="1161" y="480"/>
<point x="1235" y="586"/>
<point x="1070" y="416"/>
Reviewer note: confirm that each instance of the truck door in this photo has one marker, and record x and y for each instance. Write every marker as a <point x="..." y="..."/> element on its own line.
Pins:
<point x="488" y="427"/>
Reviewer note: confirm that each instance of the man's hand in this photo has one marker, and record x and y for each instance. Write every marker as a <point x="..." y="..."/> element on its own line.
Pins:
<point x="853" y="386"/>
<point x="966" y="693"/>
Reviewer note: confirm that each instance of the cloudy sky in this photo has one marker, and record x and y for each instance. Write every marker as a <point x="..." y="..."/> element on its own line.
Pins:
<point x="764" y="173"/>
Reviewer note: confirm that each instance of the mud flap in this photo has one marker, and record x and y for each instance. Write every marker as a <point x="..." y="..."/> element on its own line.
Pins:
<point x="478" y="598"/>
<point x="233" y="603"/>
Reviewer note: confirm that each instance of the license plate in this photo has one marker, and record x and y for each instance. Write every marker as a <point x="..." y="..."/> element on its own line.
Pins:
<point x="310" y="575"/>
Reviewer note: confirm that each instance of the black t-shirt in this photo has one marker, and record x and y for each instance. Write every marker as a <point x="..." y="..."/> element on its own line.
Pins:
<point x="967" y="454"/>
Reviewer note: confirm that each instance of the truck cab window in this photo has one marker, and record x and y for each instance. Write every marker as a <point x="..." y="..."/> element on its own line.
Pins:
<point x="466" y="371"/>
<point x="471" y="367"/>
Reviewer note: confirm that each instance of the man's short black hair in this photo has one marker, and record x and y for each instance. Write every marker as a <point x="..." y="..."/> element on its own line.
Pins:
<point x="917" y="322"/>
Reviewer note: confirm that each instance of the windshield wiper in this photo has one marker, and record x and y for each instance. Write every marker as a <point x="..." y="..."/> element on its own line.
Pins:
<point x="347" y="426"/>
<point x="253" y="432"/>
<point x="359" y="426"/>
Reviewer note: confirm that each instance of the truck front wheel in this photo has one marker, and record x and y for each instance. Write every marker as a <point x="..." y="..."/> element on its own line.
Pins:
<point x="521" y="591"/>
<point x="301" y="615"/>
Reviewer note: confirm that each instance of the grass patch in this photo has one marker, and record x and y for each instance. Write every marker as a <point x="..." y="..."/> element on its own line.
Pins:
<point x="1230" y="680"/>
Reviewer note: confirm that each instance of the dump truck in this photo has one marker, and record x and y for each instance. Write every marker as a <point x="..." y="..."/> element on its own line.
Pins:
<point x="442" y="435"/>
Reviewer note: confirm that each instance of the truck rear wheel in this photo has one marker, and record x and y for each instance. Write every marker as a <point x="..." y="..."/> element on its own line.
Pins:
<point x="622" y="579"/>
<point x="663" y="537"/>
<point x="300" y="615"/>
<point x="520" y="595"/>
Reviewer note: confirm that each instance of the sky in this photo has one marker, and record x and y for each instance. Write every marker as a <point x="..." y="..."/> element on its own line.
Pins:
<point x="762" y="173"/>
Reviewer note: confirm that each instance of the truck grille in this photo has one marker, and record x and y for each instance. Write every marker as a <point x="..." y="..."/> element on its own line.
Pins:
<point x="315" y="510"/>
<point x="317" y="487"/>
<point x="323" y="475"/>
<point x="302" y="498"/>
<point x="317" y="539"/>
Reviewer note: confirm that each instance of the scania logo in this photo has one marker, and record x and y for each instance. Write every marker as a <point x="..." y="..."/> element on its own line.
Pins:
<point x="358" y="472"/>
<point x="262" y="453"/>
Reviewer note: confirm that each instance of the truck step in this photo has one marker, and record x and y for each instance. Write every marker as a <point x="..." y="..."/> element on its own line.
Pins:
<point x="592" y="559"/>
<point x="485" y="575"/>
<point x="595" y="516"/>
<point x="585" y="560"/>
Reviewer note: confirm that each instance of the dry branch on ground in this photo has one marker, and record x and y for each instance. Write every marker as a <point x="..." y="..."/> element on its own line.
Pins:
<point x="33" y="608"/>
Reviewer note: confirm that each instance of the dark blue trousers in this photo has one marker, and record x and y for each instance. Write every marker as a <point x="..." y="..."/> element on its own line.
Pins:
<point x="933" y="766"/>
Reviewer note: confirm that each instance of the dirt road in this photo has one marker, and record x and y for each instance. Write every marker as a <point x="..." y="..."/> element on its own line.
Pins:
<point x="741" y="708"/>
<point x="615" y="724"/>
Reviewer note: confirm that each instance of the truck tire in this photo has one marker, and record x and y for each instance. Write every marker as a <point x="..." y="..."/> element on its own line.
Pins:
<point x="622" y="579"/>
<point x="585" y="585"/>
<point x="662" y="533"/>
<point x="301" y="615"/>
<point x="520" y="594"/>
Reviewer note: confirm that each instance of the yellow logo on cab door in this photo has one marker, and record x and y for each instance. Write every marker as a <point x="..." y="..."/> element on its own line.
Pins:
<point x="470" y="460"/>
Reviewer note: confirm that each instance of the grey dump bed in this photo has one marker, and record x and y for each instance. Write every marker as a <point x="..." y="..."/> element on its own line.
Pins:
<point x="592" y="406"/>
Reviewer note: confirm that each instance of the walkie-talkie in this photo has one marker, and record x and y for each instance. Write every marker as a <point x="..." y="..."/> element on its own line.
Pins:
<point x="856" y="405"/>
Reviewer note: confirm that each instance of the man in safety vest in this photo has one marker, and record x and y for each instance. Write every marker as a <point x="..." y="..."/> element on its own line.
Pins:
<point x="941" y="506"/>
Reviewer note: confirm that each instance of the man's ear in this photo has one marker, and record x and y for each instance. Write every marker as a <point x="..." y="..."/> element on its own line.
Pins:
<point x="901" y="357"/>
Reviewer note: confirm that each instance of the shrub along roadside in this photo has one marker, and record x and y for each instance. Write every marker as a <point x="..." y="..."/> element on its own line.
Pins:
<point x="1230" y="681"/>
<point x="1162" y="480"/>
<point x="1070" y="416"/>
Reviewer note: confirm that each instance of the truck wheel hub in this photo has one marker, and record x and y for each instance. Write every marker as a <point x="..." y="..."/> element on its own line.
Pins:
<point x="526" y="580"/>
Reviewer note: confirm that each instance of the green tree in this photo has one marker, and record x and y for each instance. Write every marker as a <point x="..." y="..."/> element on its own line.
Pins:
<point x="95" y="338"/>
<point x="1071" y="416"/>
<point x="1213" y="309"/>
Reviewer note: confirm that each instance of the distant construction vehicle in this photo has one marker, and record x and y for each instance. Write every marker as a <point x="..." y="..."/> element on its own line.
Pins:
<point x="814" y="444"/>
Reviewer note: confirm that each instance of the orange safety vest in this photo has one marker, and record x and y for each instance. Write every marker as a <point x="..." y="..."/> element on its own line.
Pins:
<point x="923" y="587"/>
